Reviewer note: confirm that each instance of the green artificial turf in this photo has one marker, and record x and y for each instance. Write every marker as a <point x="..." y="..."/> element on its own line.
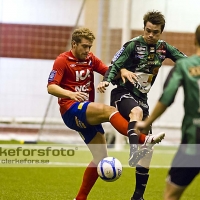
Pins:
<point x="55" y="182"/>
<point x="63" y="184"/>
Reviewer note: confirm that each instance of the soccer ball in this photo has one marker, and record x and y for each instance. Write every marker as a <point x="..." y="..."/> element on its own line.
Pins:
<point x="109" y="169"/>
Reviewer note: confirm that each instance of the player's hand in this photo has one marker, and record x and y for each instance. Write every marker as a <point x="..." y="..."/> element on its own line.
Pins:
<point x="126" y="74"/>
<point x="102" y="86"/>
<point x="143" y="127"/>
<point x="79" y="96"/>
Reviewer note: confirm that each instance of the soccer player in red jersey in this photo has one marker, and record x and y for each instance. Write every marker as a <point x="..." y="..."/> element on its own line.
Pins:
<point x="72" y="81"/>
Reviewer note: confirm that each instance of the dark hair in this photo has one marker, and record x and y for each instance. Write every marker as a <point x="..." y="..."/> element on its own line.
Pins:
<point x="155" y="17"/>
<point x="197" y="35"/>
<point x="80" y="33"/>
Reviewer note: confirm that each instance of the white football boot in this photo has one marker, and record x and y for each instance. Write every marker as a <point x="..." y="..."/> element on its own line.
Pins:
<point x="151" y="140"/>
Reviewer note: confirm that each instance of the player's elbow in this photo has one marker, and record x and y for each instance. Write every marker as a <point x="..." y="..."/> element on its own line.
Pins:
<point x="50" y="89"/>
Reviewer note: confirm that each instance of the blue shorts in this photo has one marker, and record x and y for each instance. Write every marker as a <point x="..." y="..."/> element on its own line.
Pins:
<point x="75" y="118"/>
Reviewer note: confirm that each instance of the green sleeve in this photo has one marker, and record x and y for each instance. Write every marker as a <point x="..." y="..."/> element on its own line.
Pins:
<point x="121" y="60"/>
<point x="172" y="83"/>
<point x="173" y="53"/>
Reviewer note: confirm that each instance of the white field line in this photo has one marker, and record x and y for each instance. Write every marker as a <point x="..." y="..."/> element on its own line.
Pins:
<point x="86" y="164"/>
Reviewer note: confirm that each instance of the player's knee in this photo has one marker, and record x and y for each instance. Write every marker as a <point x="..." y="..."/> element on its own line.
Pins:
<point x="136" y="113"/>
<point x="99" y="156"/>
<point x="108" y="110"/>
<point x="172" y="191"/>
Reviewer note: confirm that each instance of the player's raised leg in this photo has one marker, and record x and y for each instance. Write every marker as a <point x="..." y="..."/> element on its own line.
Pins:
<point x="98" y="113"/>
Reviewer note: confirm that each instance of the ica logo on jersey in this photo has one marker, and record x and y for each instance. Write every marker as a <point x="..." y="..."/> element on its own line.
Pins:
<point x="82" y="75"/>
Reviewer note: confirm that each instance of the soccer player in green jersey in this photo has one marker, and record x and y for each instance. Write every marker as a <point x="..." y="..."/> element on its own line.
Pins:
<point x="139" y="61"/>
<point x="186" y="164"/>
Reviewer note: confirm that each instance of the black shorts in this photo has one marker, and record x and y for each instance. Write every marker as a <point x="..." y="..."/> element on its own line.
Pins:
<point x="184" y="168"/>
<point x="125" y="101"/>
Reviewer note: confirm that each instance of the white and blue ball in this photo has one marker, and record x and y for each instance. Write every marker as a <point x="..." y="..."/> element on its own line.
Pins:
<point x="109" y="169"/>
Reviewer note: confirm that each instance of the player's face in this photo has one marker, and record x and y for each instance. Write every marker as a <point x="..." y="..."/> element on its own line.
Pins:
<point x="81" y="50"/>
<point x="152" y="33"/>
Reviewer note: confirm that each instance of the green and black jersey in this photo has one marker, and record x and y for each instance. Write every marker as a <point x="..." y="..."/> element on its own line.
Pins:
<point x="186" y="73"/>
<point x="144" y="60"/>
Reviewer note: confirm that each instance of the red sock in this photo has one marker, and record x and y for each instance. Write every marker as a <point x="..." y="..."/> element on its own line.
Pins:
<point x="142" y="138"/>
<point x="89" y="178"/>
<point x="119" y="123"/>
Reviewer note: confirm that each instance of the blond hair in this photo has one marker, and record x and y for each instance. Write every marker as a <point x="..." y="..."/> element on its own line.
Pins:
<point x="80" y="33"/>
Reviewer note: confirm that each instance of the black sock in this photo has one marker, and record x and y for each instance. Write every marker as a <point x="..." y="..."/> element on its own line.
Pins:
<point x="132" y="136"/>
<point x="141" y="181"/>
